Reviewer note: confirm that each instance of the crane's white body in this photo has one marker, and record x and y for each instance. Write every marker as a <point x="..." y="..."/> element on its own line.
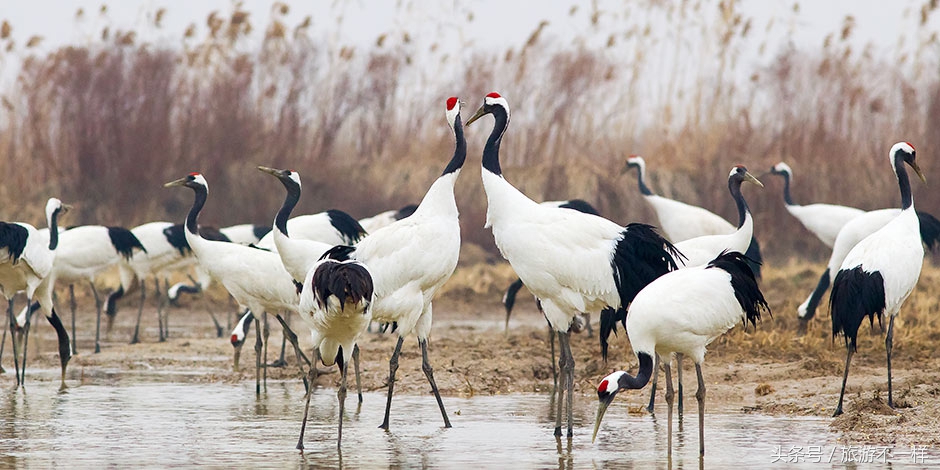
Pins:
<point x="412" y="258"/>
<point x="850" y="235"/>
<point x="700" y="250"/>
<point x="307" y="227"/>
<point x="161" y="257"/>
<point x="562" y="256"/>
<point x="824" y="220"/>
<point x="897" y="252"/>
<point x="377" y="221"/>
<point x="333" y="325"/>
<point x="243" y="234"/>
<point x="86" y="251"/>
<point x="34" y="265"/>
<point x="682" y="312"/>
<point x="680" y="221"/>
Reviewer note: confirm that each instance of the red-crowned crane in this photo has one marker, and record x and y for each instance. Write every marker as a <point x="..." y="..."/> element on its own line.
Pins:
<point x="682" y="312"/>
<point x="681" y="221"/>
<point x="336" y="301"/>
<point x="412" y="258"/>
<point x="853" y="232"/>
<point x="245" y="234"/>
<point x="824" y="220"/>
<point x="880" y="272"/>
<point x="86" y="251"/>
<point x="699" y="251"/>
<point x="333" y="227"/>
<point x="573" y="262"/>
<point x="254" y="277"/>
<point x="26" y="262"/>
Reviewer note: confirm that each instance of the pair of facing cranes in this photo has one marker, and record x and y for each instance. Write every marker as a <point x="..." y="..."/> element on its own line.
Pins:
<point x="573" y="262"/>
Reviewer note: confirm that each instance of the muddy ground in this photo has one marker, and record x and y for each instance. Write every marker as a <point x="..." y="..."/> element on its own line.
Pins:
<point x="770" y="371"/>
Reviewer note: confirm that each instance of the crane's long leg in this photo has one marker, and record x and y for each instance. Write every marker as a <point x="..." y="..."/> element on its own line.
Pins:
<point x="267" y="333"/>
<point x="429" y="372"/>
<point x="97" y="318"/>
<point x="341" y="395"/>
<point x="565" y="343"/>
<point x="551" y="341"/>
<point x="301" y="357"/>
<point x="16" y="353"/>
<point x="587" y="324"/>
<point x="311" y="378"/>
<point x="72" y="306"/>
<point x="281" y="362"/>
<point x="29" y="315"/>
<point x="562" y="356"/>
<point x="700" y="396"/>
<point x="392" y="368"/>
<point x="670" y="398"/>
<point x="258" y="360"/>
<point x="140" y="310"/>
<point x="160" y="306"/>
<point x="355" y="356"/>
<point x="3" y="344"/>
<point x="653" y="386"/>
<point x="679" y="357"/>
<point x="845" y="377"/>
<point x="889" y="345"/>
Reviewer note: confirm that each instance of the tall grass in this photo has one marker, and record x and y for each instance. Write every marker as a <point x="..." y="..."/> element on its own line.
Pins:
<point x="103" y="124"/>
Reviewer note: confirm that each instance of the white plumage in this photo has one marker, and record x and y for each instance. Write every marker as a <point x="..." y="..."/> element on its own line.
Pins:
<point x="377" y="221"/>
<point x="412" y="258"/>
<point x="245" y="234"/>
<point x="332" y="227"/>
<point x="573" y="262"/>
<point x="880" y="272"/>
<point x="27" y="258"/>
<point x="255" y="278"/>
<point x="824" y="220"/>
<point x="700" y="250"/>
<point x="337" y="298"/>
<point x="297" y="255"/>
<point x="84" y="253"/>
<point x="679" y="221"/>
<point x="681" y="313"/>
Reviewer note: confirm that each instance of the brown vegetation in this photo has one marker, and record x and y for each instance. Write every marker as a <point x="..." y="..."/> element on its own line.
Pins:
<point x="103" y="124"/>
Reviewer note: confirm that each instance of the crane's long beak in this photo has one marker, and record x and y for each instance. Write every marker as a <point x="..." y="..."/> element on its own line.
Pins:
<point x="749" y="177"/>
<point x="238" y="355"/>
<point x="179" y="182"/>
<point x="601" y="409"/>
<point x="919" y="173"/>
<point x="270" y="171"/>
<point x="477" y="115"/>
<point x="65" y="208"/>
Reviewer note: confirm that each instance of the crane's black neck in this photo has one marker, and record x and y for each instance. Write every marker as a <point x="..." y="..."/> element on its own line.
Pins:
<point x="734" y="185"/>
<point x="642" y="376"/>
<point x="904" y="183"/>
<point x="786" y="187"/>
<point x="54" y="229"/>
<point x="198" y="202"/>
<point x="460" y="149"/>
<point x="641" y="181"/>
<point x="491" y="150"/>
<point x="290" y="201"/>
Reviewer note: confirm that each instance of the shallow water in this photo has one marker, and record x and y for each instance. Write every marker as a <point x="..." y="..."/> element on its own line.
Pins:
<point x="161" y="420"/>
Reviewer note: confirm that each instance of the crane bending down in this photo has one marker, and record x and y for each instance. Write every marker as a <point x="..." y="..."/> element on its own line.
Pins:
<point x="682" y="312"/>
<point x="573" y="262"/>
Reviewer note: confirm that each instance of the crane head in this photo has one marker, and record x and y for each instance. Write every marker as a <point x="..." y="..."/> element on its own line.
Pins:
<point x="286" y="176"/>
<point x="781" y="169"/>
<point x="606" y="391"/>
<point x="192" y="180"/>
<point x="453" y="110"/>
<point x="905" y="151"/>
<point x="634" y="161"/>
<point x="740" y="174"/>
<point x="491" y="102"/>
